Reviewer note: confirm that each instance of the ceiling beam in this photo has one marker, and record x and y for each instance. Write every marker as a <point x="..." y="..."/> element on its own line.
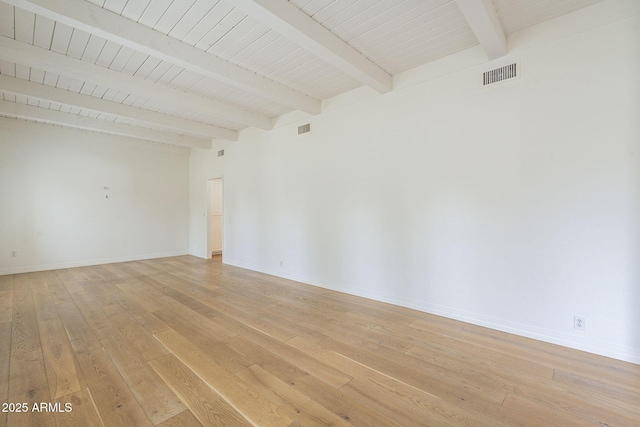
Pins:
<point x="111" y="26"/>
<point x="485" y="23"/>
<point x="285" y="18"/>
<point x="33" y="56"/>
<point x="49" y="93"/>
<point x="46" y="115"/>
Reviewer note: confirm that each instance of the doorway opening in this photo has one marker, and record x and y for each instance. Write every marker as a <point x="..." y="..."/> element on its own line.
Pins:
<point x="215" y="218"/>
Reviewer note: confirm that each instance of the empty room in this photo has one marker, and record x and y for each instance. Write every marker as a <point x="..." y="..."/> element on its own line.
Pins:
<point x="319" y="212"/>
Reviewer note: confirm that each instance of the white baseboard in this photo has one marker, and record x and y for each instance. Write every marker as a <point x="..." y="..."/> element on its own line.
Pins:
<point x="614" y="351"/>
<point x="85" y="263"/>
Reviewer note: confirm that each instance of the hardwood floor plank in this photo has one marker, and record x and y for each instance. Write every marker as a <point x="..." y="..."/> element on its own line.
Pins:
<point x="154" y="396"/>
<point x="208" y="326"/>
<point x="194" y="274"/>
<point x="241" y="396"/>
<point x="291" y="320"/>
<point x="173" y="279"/>
<point x="426" y="377"/>
<point x="427" y="346"/>
<point x="254" y="321"/>
<point x="206" y="341"/>
<point x="6" y="305"/>
<point x="183" y="419"/>
<point x="28" y="385"/>
<point x="575" y="406"/>
<point x="79" y="274"/>
<point x="124" y="271"/>
<point x="185" y="312"/>
<point x="183" y="341"/>
<point x="183" y="299"/>
<point x="317" y="390"/>
<point x="599" y="390"/>
<point x="25" y="337"/>
<point x="397" y="409"/>
<point x="138" y="337"/>
<point x="207" y="406"/>
<point x="102" y="292"/>
<point x="538" y="413"/>
<point x="142" y="294"/>
<point x="436" y="324"/>
<point x="65" y="275"/>
<point x="72" y="283"/>
<point x="371" y="350"/>
<point x="63" y="374"/>
<point x="6" y="282"/>
<point x="325" y="372"/>
<point x="81" y="336"/>
<point x="57" y="290"/>
<point x="142" y="269"/>
<point x="101" y="274"/>
<point x="296" y="405"/>
<point x="115" y="402"/>
<point x="82" y="413"/>
<point x="95" y="317"/>
<point x="436" y="409"/>
<point x="394" y="389"/>
<point x="139" y="314"/>
<point x="44" y="305"/>
<point x="5" y="357"/>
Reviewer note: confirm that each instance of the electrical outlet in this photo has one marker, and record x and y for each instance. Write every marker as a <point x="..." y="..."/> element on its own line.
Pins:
<point x="579" y="323"/>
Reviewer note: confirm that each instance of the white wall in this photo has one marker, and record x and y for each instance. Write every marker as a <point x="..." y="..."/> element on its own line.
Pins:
<point x="515" y="207"/>
<point x="54" y="211"/>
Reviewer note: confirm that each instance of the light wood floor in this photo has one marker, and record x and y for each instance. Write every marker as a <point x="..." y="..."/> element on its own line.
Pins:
<point x="187" y="342"/>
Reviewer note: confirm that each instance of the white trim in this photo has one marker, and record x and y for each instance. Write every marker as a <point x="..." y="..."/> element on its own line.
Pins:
<point x="85" y="263"/>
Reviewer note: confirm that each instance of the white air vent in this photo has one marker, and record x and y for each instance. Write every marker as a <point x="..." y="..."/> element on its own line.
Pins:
<point x="304" y="128"/>
<point x="500" y="74"/>
<point x="220" y="153"/>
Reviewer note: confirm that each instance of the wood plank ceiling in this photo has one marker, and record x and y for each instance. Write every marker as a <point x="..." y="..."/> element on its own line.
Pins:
<point x="185" y="72"/>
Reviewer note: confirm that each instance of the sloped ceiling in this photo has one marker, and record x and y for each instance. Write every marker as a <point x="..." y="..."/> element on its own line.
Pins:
<point x="188" y="71"/>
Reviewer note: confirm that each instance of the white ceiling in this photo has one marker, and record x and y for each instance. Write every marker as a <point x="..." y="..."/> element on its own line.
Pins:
<point x="187" y="71"/>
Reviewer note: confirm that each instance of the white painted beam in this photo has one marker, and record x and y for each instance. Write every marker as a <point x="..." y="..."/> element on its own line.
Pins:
<point x="12" y="109"/>
<point x="285" y="18"/>
<point x="33" y="56"/>
<point x="485" y="23"/>
<point x="106" y="24"/>
<point x="48" y="93"/>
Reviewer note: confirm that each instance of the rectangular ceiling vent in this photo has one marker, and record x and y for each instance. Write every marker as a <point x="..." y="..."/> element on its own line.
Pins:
<point x="304" y="128"/>
<point x="500" y="74"/>
<point x="220" y="153"/>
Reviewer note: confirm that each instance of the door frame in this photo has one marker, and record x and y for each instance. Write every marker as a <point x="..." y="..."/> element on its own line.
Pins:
<point x="208" y="219"/>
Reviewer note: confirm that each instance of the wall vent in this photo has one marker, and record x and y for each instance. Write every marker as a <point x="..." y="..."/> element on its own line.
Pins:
<point x="304" y="128"/>
<point x="220" y="153"/>
<point x="500" y="74"/>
